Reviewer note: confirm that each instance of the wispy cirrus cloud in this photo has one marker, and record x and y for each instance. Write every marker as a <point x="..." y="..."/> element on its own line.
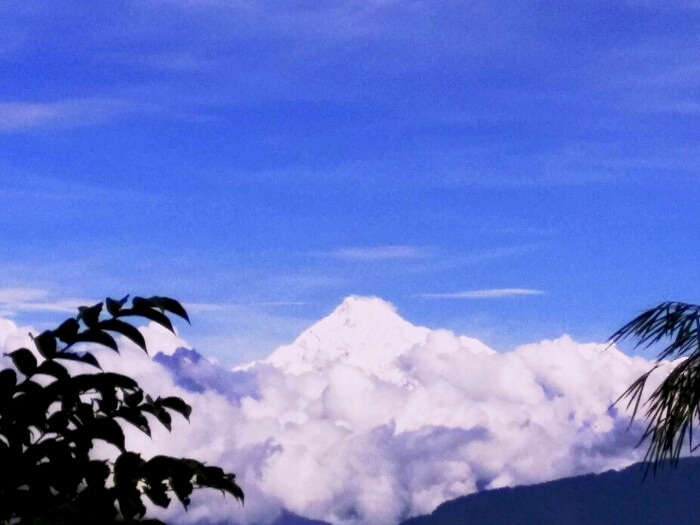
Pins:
<point x="222" y="307"/>
<point x="13" y="295"/>
<point x="16" y="300"/>
<point x="25" y="115"/>
<point x="378" y="253"/>
<point x="486" y="293"/>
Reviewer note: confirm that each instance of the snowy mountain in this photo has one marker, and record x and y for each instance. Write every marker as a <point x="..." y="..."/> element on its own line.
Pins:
<point x="362" y="332"/>
<point x="365" y="332"/>
<point x="365" y="418"/>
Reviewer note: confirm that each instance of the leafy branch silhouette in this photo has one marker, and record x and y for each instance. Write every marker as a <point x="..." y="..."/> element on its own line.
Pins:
<point x="50" y="417"/>
<point x="673" y="408"/>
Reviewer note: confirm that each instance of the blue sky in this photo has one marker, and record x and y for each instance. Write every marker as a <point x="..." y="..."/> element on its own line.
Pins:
<point x="262" y="160"/>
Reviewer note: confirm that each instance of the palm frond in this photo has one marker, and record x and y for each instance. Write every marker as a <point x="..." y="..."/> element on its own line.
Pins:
<point x="673" y="408"/>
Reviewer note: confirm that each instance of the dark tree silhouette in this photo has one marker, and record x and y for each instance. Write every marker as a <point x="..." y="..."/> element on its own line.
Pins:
<point x="50" y="416"/>
<point x="673" y="408"/>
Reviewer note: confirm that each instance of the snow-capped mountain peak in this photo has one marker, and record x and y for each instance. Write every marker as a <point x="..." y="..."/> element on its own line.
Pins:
<point x="357" y="313"/>
<point x="365" y="332"/>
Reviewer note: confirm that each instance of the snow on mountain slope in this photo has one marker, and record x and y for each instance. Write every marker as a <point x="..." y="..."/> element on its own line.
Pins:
<point x="366" y="333"/>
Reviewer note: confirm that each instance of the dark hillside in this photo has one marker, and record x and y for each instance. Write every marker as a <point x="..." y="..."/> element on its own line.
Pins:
<point x="611" y="498"/>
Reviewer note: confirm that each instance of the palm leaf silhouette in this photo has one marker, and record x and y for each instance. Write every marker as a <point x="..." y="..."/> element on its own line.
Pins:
<point x="673" y="408"/>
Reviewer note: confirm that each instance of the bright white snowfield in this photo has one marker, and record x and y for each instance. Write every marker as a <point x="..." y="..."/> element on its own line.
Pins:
<point x="368" y="419"/>
<point x="363" y="332"/>
<point x="367" y="334"/>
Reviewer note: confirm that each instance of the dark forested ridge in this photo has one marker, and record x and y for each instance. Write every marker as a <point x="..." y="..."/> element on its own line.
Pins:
<point x="611" y="498"/>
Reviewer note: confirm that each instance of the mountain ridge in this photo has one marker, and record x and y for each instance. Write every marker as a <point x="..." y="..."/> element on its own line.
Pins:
<point x="614" y="497"/>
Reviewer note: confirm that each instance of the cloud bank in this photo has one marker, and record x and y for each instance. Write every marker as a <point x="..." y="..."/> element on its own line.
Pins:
<point x="366" y="418"/>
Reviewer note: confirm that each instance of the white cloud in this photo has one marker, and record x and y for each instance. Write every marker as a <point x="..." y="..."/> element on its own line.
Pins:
<point x="14" y="295"/>
<point x="14" y="300"/>
<point x="487" y="293"/>
<point x="13" y="336"/>
<point x="22" y="116"/>
<point x="204" y="307"/>
<point x="368" y="419"/>
<point x="280" y="303"/>
<point x="376" y="253"/>
<point x="223" y="307"/>
<point x="159" y="339"/>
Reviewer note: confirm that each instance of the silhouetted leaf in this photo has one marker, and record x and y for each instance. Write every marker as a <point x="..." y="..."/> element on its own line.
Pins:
<point x="67" y="331"/>
<point x="114" y="306"/>
<point x="85" y="357"/>
<point x="148" y="313"/>
<point x="135" y="417"/>
<point x="130" y="503"/>
<point x="58" y="421"/>
<point x="99" y="337"/>
<point x="157" y="492"/>
<point x="127" y="472"/>
<point x="108" y="402"/>
<point x="179" y="473"/>
<point x="216" y="478"/>
<point x="8" y="381"/>
<point x="674" y="406"/>
<point x="119" y="380"/>
<point x="97" y="472"/>
<point x="177" y="404"/>
<point x="183" y="487"/>
<point x="90" y="315"/>
<point x="141" y="302"/>
<point x="24" y="361"/>
<point x="108" y="430"/>
<point x="160" y="413"/>
<point x="101" y="381"/>
<point x="132" y="400"/>
<point x="53" y="369"/>
<point x="86" y="414"/>
<point x="46" y="344"/>
<point x="125" y="329"/>
<point x="170" y="305"/>
<point x="28" y="387"/>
